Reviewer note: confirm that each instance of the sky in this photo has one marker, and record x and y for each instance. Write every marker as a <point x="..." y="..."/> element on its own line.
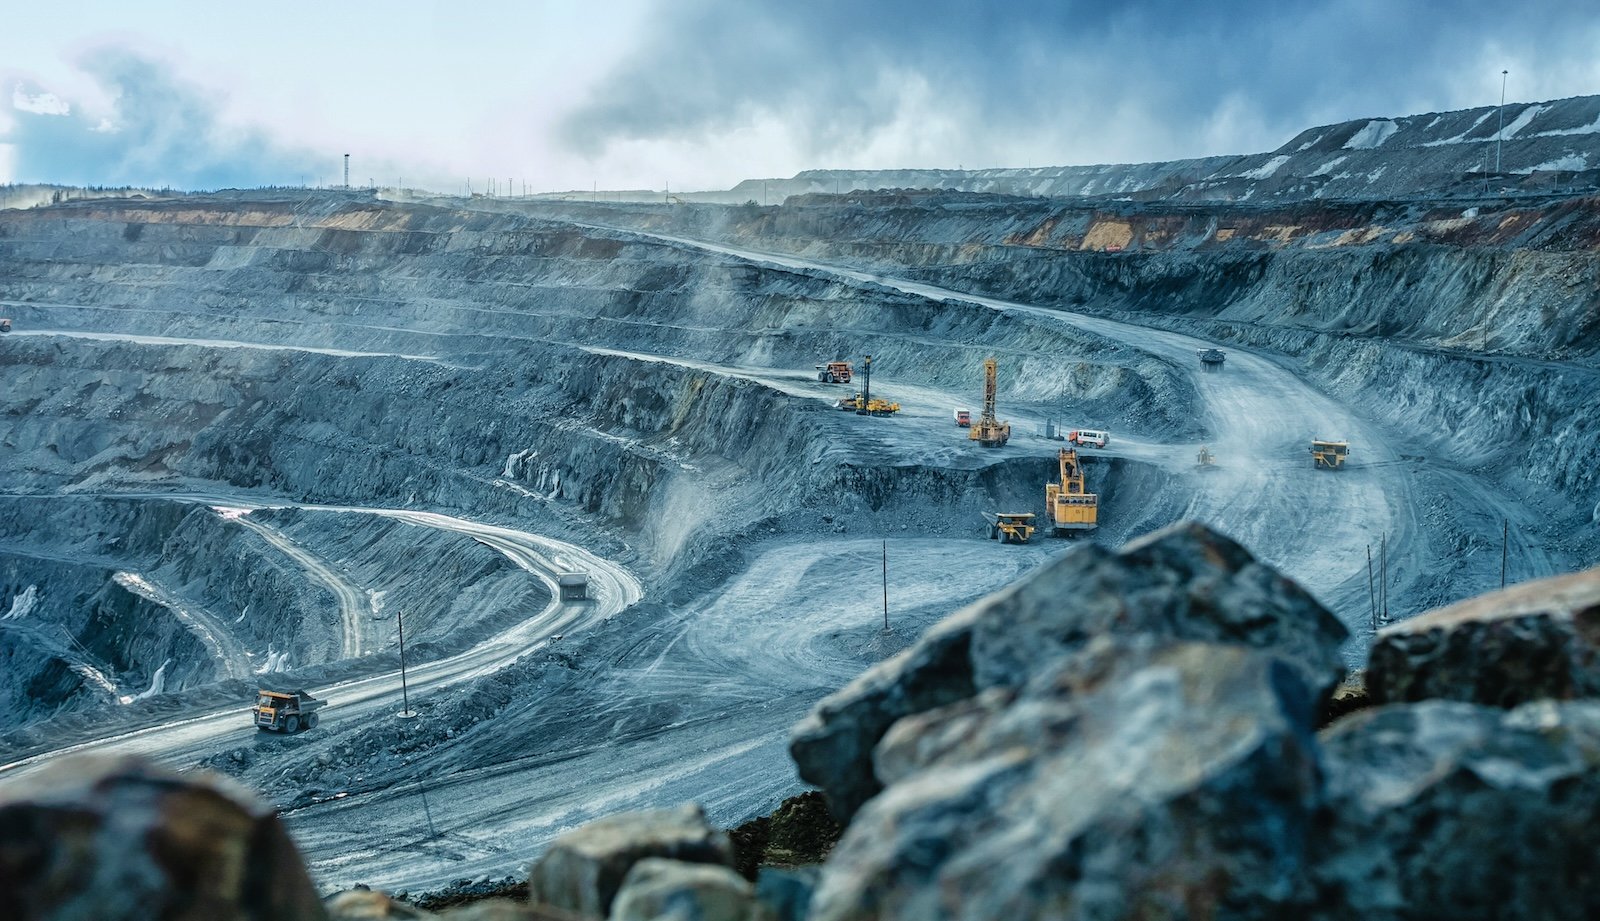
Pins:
<point x="700" y="94"/>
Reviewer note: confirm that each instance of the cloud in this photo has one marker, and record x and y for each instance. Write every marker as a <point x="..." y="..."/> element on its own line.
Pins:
<point x="158" y="131"/>
<point x="1070" y="80"/>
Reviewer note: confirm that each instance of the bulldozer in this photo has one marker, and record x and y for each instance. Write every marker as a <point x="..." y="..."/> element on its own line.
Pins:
<point x="285" y="711"/>
<point x="834" y="372"/>
<point x="1011" y="527"/>
<point x="1070" y="508"/>
<point x="1328" y="455"/>
<point x="989" y="431"/>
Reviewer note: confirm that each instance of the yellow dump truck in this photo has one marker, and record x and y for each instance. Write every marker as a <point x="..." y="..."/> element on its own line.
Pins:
<point x="1011" y="527"/>
<point x="1329" y="455"/>
<point x="1070" y="507"/>
<point x="285" y="711"/>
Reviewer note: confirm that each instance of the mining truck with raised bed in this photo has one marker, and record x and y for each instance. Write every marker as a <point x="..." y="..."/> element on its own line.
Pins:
<point x="286" y="711"/>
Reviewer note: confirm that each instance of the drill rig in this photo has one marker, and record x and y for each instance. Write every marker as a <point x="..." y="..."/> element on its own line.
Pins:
<point x="989" y="431"/>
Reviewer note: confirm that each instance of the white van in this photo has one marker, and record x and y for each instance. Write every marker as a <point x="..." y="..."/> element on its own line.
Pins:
<point x="1090" y="437"/>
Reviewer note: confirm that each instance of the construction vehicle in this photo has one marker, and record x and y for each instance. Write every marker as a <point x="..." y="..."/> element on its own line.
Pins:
<point x="989" y="431"/>
<point x="963" y="418"/>
<point x="1328" y="455"/>
<point x="286" y="711"/>
<point x="864" y="403"/>
<point x="5" y="325"/>
<point x="834" y="372"/>
<point x="1211" y="359"/>
<point x="1070" y="507"/>
<point x="1205" y="459"/>
<point x="1010" y="527"/>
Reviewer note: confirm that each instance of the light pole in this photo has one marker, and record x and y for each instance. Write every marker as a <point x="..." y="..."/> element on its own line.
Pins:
<point x="1499" y="137"/>
<point x="406" y="712"/>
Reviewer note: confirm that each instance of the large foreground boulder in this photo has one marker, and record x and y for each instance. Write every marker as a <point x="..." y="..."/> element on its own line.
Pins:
<point x="1533" y="641"/>
<point x="110" y="839"/>
<point x="1461" y="811"/>
<point x="1137" y="780"/>
<point x="584" y="868"/>
<point x="672" y="890"/>
<point x="1184" y="582"/>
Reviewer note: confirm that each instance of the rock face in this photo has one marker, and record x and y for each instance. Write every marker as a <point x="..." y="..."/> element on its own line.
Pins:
<point x="110" y="839"/>
<point x="1453" y="810"/>
<point x="1184" y="582"/>
<point x="584" y="869"/>
<point x="1532" y="641"/>
<point x="1140" y="779"/>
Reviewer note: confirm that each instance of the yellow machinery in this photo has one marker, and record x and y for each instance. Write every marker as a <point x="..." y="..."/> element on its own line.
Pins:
<point x="834" y="372"/>
<point x="1011" y="527"/>
<point x="863" y="403"/>
<point x="1069" y="506"/>
<point x="989" y="431"/>
<point x="1329" y="455"/>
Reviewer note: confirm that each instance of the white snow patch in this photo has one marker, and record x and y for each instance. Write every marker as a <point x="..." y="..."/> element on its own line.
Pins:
<point x="276" y="661"/>
<point x="158" y="683"/>
<point x="1591" y="128"/>
<point x="375" y="601"/>
<point x="1460" y="138"/>
<point x="1310" y="144"/>
<point x="1470" y="213"/>
<point x="1325" y="168"/>
<point x="1372" y="135"/>
<point x="1376" y="174"/>
<point x="1519" y="123"/>
<point x="1572" y="161"/>
<point x="23" y="603"/>
<point x="517" y="462"/>
<point x="230" y="514"/>
<point x="1266" y="169"/>
<point x="1436" y="120"/>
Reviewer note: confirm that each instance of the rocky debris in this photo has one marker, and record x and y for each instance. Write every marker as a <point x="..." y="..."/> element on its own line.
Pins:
<point x="584" y="868"/>
<point x="1139" y="779"/>
<point x="1454" y="810"/>
<point x="361" y="904"/>
<point x="785" y="894"/>
<point x="799" y="832"/>
<point x="123" y="838"/>
<point x="657" y="888"/>
<point x="1183" y="582"/>
<point x="1532" y="641"/>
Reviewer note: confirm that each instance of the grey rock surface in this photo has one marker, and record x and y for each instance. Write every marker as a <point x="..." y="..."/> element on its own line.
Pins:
<point x="1453" y="810"/>
<point x="1531" y="641"/>
<point x="1141" y="780"/>
<point x="110" y="839"/>
<point x="1183" y="582"/>
<point x="657" y="889"/>
<point x="585" y="868"/>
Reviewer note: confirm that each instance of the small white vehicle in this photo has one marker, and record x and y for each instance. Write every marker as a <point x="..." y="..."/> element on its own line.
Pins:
<point x="1089" y="437"/>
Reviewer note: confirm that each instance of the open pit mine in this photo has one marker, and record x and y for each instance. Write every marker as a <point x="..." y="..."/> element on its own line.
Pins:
<point x="449" y="525"/>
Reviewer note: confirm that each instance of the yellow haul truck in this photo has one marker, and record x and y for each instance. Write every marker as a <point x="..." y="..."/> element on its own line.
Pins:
<point x="1070" y="508"/>
<point x="1011" y="527"/>
<point x="1329" y="455"/>
<point x="286" y="711"/>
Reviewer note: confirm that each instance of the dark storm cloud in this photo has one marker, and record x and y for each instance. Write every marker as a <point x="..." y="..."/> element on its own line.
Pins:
<point x="162" y="130"/>
<point x="1168" y="77"/>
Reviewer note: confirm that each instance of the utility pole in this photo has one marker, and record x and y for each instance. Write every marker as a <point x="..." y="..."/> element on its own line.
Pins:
<point x="1505" y="538"/>
<point x="1500" y="137"/>
<point x="347" y="172"/>
<point x="1383" y="575"/>
<point x="885" y="586"/>
<point x="1372" y="596"/>
<point x="405" y="695"/>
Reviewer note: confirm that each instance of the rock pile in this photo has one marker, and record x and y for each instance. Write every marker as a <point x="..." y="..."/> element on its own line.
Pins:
<point x="1121" y="735"/>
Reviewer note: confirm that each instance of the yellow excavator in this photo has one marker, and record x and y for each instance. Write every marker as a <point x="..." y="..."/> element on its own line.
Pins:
<point x="1070" y="508"/>
<point x="989" y="431"/>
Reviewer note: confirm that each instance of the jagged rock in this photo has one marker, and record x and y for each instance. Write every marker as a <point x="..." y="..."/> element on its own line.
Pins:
<point x="1528" y="642"/>
<point x="584" y="868"/>
<point x="122" y="838"/>
<point x="1139" y="779"/>
<point x="671" y="890"/>
<point x="785" y="894"/>
<point x="371" y="905"/>
<point x="1183" y="582"/>
<point x="1452" y="810"/>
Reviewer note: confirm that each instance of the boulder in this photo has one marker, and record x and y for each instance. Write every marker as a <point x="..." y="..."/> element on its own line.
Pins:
<point x="1184" y="582"/>
<point x="1452" y="810"/>
<point x="1529" y="642"/>
<point x="370" y="905"/>
<point x="584" y="868"/>
<point x="1139" y="779"/>
<point x="122" y="838"/>
<point x="785" y="894"/>
<point x="671" y="890"/>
